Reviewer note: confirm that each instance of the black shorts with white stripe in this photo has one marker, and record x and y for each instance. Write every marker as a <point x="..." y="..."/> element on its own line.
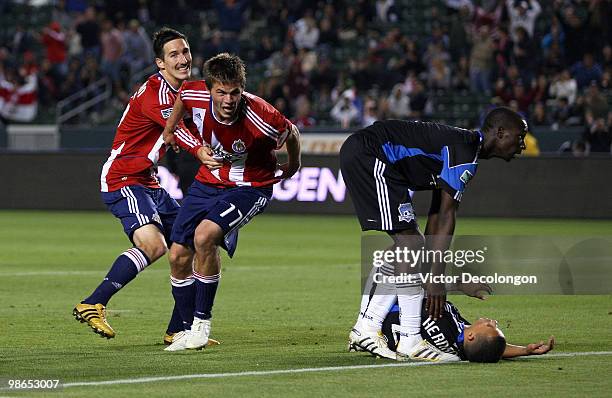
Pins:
<point x="380" y="194"/>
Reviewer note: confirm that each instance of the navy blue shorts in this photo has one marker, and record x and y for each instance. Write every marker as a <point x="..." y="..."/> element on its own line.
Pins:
<point x="230" y="208"/>
<point x="136" y="206"/>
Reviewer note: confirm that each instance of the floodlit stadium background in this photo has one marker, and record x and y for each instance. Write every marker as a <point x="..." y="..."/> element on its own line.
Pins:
<point x="289" y="297"/>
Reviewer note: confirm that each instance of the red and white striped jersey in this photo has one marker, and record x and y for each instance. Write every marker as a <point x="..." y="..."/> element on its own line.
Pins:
<point x="19" y="103"/>
<point x="138" y="143"/>
<point x="246" y="146"/>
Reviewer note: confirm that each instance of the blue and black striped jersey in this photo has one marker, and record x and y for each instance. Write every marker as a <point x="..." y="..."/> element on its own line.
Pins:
<point x="445" y="333"/>
<point x="429" y="155"/>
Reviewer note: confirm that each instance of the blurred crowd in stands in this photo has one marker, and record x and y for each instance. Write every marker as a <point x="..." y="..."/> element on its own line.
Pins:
<point x="340" y="63"/>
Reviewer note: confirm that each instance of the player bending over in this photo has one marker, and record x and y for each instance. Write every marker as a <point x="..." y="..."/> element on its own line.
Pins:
<point x="238" y="134"/>
<point x="380" y="165"/>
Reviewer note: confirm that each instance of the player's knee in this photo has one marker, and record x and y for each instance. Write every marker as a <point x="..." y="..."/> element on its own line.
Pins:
<point x="409" y="238"/>
<point x="151" y="241"/>
<point x="180" y="262"/>
<point x="175" y="258"/>
<point x="207" y="236"/>
<point x="154" y="248"/>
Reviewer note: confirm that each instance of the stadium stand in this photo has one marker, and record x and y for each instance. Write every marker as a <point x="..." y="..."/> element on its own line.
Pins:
<point x="449" y="59"/>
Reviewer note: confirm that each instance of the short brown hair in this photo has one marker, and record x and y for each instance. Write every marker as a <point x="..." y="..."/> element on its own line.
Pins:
<point x="225" y="68"/>
<point x="163" y="36"/>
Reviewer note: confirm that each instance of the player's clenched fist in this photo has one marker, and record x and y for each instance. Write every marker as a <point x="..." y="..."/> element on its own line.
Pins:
<point x="205" y="155"/>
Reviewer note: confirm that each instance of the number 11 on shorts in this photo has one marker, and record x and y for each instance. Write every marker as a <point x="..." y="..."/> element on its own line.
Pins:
<point x="228" y="211"/>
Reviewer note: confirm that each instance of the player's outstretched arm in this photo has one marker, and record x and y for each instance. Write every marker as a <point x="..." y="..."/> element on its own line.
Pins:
<point x="476" y="290"/>
<point x="439" y="231"/>
<point x="540" y="348"/>
<point x="294" y="160"/>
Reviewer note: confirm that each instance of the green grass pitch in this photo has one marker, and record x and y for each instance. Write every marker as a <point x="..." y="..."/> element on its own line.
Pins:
<point x="286" y="301"/>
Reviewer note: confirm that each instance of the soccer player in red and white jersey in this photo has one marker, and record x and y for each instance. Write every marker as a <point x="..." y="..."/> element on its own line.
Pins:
<point x="129" y="185"/>
<point x="238" y="136"/>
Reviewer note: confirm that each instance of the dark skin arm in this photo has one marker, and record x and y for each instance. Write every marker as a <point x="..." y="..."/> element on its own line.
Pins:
<point x="439" y="232"/>
<point x="476" y="290"/>
<point x="540" y="348"/>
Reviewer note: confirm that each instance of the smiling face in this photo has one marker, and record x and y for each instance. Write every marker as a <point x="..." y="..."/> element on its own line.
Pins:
<point x="176" y="63"/>
<point x="226" y="98"/>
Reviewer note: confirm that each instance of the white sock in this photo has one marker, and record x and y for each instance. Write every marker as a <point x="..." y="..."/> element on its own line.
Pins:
<point x="410" y="300"/>
<point x="365" y="299"/>
<point x="378" y="307"/>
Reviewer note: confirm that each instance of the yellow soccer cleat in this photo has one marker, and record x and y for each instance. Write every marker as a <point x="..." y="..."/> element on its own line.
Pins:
<point x="168" y="338"/>
<point x="95" y="316"/>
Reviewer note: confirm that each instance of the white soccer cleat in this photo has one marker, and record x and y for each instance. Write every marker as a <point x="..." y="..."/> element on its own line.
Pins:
<point x="198" y="338"/>
<point x="353" y="339"/>
<point x="178" y="341"/>
<point x="425" y="352"/>
<point x="373" y="342"/>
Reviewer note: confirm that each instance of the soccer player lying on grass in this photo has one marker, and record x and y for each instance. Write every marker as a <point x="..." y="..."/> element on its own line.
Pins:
<point x="481" y="341"/>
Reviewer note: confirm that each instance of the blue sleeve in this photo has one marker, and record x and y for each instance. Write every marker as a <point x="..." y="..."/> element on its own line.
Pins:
<point x="458" y="167"/>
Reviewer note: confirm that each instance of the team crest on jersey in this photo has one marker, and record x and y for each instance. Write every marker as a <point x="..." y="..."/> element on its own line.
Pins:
<point x="466" y="176"/>
<point x="238" y="146"/>
<point x="406" y="213"/>
<point x="157" y="218"/>
<point x="166" y="113"/>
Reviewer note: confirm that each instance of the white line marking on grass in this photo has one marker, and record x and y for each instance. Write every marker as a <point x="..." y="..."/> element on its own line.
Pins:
<point x="248" y="373"/>
<point x="567" y="354"/>
<point x="303" y="370"/>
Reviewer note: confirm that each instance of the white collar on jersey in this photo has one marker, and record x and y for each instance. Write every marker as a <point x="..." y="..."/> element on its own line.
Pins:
<point x="212" y="111"/>
<point x="169" y="85"/>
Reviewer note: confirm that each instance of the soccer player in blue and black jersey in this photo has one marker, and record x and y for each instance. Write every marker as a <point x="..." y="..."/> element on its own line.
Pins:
<point x="481" y="341"/>
<point x="381" y="165"/>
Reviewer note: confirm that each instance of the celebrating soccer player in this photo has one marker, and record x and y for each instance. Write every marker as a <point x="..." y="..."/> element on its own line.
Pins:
<point x="238" y="134"/>
<point x="129" y="185"/>
<point x="381" y="164"/>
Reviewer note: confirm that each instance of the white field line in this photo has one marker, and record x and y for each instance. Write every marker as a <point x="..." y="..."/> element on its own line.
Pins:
<point x="303" y="370"/>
